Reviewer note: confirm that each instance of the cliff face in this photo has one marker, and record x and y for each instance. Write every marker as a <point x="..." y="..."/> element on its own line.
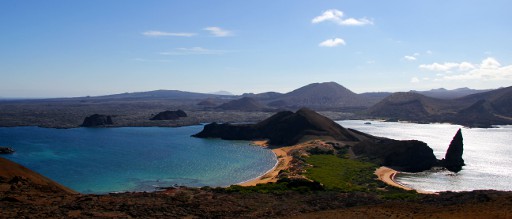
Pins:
<point x="453" y="159"/>
<point x="97" y="120"/>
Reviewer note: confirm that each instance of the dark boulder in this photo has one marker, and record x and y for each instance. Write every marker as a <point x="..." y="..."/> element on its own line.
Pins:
<point x="6" y="150"/>
<point x="169" y="115"/>
<point x="453" y="159"/>
<point x="97" y="120"/>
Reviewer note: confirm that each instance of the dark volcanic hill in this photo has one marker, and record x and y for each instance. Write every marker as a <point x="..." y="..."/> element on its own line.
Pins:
<point x="283" y="128"/>
<point x="327" y="95"/>
<point x="242" y="104"/>
<point x="482" y="109"/>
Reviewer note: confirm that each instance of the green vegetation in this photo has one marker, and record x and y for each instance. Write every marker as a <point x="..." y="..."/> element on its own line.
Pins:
<point x="341" y="174"/>
<point x="347" y="175"/>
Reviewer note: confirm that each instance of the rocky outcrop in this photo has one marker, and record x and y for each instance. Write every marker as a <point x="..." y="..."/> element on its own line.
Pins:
<point x="97" y="120"/>
<point x="408" y="156"/>
<point x="169" y="115"/>
<point x="283" y="128"/>
<point x="6" y="150"/>
<point x="453" y="159"/>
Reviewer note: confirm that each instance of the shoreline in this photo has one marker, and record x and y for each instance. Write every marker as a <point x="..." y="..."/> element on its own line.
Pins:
<point x="387" y="175"/>
<point x="283" y="162"/>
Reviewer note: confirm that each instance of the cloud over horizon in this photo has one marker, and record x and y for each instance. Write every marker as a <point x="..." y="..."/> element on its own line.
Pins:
<point x="335" y="16"/>
<point x="489" y="69"/>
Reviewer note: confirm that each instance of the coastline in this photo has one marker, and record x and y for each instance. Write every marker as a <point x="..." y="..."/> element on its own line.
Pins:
<point x="387" y="175"/>
<point x="283" y="162"/>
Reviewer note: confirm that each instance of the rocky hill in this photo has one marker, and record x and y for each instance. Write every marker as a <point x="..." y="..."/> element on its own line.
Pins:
<point x="477" y="110"/>
<point x="242" y="104"/>
<point x="327" y="95"/>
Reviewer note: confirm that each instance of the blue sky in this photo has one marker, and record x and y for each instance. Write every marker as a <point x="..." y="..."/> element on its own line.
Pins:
<point x="92" y="47"/>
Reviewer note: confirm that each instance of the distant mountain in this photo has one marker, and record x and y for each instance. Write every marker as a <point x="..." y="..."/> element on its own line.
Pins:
<point x="327" y="95"/>
<point x="408" y="106"/>
<point x="243" y="104"/>
<point x="263" y="96"/>
<point x="482" y="109"/>
<point x="442" y="93"/>
<point x="222" y="92"/>
<point x="158" y="94"/>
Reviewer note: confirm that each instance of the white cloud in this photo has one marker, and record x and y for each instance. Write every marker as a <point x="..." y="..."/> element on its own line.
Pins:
<point x="465" y="66"/>
<point x="356" y="22"/>
<point x="218" y="32"/>
<point x="410" y="58"/>
<point x="334" y="15"/>
<point x="490" y="63"/>
<point x="332" y="42"/>
<point x="194" y="51"/>
<point x="447" y="66"/>
<point x="488" y="70"/>
<point x="415" y="80"/>
<point x="156" y="33"/>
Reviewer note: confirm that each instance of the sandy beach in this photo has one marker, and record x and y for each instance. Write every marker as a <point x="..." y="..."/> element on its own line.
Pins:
<point x="283" y="162"/>
<point x="387" y="175"/>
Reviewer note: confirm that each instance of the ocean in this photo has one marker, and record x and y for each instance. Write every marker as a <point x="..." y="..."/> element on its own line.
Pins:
<point x="103" y="160"/>
<point x="487" y="154"/>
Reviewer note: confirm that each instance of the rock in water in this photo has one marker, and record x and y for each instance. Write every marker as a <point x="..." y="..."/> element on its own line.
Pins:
<point x="453" y="159"/>
<point x="6" y="150"/>
<point x="97" y="120"/>
<point x="169" y="115"/>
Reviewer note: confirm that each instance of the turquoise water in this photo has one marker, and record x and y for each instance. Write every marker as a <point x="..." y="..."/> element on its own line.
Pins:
<point x="487" y="154"/>
<point x="103" y="160"/>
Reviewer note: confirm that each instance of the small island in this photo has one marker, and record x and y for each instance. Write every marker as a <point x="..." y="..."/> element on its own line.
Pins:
<point x="6" y="150"/>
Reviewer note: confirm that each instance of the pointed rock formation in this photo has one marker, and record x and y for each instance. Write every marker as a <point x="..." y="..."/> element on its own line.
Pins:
<point x="97" y="120"/>
<point x="453" y="159"/>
